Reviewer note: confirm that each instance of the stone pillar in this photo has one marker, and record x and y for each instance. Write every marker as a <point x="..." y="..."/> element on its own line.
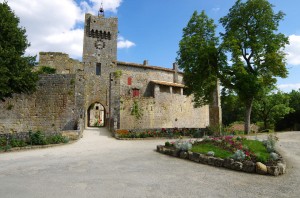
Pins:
<point x="175" y="68"/>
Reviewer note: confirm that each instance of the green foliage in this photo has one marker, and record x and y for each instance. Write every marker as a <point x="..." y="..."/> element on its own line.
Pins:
<point x="274" y="156"/>
<point x="239" y="155"/>
<point x="199" y="58"/>
<point x="56" y="139"/>
<point x="16" y="74"/>
<point x="232" y="110"/>
<point x="205" y="148"/>
<point x="270" y="143"/>
<point x="17" y="143"/>
<point x="167" y="144"/>
<point x="118" y="73"/>
<point x="46" y="70"/>
<point x="291" y="121"/>
<point x="251" y="37"/>
<point x="270" y="108"/>
<point x="136" y="111"/>
<point x="37" y="138"/>
<point x="183" y="145"/>
<point x="258" y="148"/>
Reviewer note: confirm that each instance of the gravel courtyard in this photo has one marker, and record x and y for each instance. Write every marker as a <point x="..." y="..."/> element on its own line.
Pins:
<point x="101" y="166"/>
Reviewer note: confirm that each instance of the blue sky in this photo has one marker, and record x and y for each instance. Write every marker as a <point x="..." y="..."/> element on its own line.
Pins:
<point x="148" y="29"/>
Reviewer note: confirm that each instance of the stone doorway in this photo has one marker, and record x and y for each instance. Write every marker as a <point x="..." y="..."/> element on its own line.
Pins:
<point x="96" y="115"/>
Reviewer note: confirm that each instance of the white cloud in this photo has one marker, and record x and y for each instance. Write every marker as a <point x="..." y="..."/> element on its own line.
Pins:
<point x="216" y="9"/>
<point x="289" y="87"/>
<point x="122" y="43"/>
<point x="293" y="50"/>
<point x="56" y="25"/>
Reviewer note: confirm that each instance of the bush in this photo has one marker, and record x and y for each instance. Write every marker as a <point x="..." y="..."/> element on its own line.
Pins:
<point x="239" y="155"/>
<point x="183" y="145"/>
<point x="17" y="143"/>
<point x="56" y="139"/>
<point x="37" y="138"/>
<point x="274" y="156"/>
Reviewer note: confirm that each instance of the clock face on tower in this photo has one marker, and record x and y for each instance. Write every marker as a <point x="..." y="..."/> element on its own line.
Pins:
<point x="99" y="44"/>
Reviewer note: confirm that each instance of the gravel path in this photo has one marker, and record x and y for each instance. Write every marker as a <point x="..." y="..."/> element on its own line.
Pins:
<point x="100" y="166"/>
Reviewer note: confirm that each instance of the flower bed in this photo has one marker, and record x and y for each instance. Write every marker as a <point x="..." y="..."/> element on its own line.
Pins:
<point x="161" y="133"/>
<point x="239" y="154"/>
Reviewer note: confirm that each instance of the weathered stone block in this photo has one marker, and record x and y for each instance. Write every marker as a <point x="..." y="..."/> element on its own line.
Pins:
<point x="196" y="157"/>
<point x="219" y="162"/>
<point x="211" y="160"/>
<point x="228" y="162"/>
<point x="237" y="166"/>
<point x="159" y="148"/>
<point x="183" y="155"/>
<point x="203" y="159"/>
<point x="249" y="167"/>
<point x="273" y="170"/>
<point x="282" y="167"/>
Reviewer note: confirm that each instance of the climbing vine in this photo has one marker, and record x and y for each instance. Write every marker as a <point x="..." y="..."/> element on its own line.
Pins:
<point x="136" y="110"/>
<point x="118" y="73"/>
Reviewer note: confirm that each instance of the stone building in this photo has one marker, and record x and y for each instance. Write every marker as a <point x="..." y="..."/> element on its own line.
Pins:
<point x="101" y="91"/>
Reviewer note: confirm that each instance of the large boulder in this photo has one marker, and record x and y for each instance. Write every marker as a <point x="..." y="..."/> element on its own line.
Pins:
<point x="261" y="168"/>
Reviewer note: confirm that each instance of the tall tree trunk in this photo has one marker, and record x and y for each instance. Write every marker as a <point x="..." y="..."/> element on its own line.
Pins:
<point x="247" y="126"/>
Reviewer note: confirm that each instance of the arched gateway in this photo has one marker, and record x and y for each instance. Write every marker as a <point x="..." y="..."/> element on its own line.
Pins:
<point x="96" y="115"/>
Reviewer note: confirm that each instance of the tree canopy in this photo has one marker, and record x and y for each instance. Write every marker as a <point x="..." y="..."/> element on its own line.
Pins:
<point x="198" y="56"/>
<point x="256" y="50"/>
<point x="252" y="43"/>
<point x="16" y="74"/>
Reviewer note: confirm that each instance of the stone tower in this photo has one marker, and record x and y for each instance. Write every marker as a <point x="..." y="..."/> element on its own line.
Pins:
<point x="99" y="53"/>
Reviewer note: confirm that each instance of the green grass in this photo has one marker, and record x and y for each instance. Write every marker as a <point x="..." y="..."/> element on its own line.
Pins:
<point x="258" y="149"/>
<point x="204" y="148"/>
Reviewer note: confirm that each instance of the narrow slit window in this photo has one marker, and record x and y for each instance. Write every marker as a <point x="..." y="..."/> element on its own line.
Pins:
<point x="98" y="69"/>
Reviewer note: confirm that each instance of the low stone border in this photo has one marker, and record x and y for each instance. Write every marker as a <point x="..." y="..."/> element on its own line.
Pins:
<point x="246" y="166"/>
<point x="29" y="147"/>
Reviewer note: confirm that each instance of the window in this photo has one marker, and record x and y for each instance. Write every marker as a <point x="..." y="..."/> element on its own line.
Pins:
<point x="177" y="90"/>
<point x="129" y="81"/>
<point x="164" y="89"/>
<point x="135" y="92"/>
<point x="98" y="69"/>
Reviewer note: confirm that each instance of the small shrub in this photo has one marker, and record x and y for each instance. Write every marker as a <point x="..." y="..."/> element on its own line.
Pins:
<point x="46" y="70"/>
<point x="56" y="139"/>
<point x="183" y="145"/>
<point x="197" y="133"/>
<point x="167" y="144"/>
<point x="17" y="143"/>
<point x="270" y="143"/>
<point x="239" y="155"/>
<point x="274" y="156"/>
<point x="37" y="138"/>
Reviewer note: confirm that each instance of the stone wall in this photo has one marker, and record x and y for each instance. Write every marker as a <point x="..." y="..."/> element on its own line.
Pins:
<point x="61" y="62"/>
<point x="52" y="108"/>
<point x="160" y="106"/>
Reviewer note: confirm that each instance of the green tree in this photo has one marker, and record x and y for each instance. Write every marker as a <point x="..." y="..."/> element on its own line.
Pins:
<point x="232" y="110"/>
<point x="16" y="74"/>
<point x="291" y="121"/>
<point x="270" y="108"/>
<point x="251" y="38"/>
<point x="198" y="56"/>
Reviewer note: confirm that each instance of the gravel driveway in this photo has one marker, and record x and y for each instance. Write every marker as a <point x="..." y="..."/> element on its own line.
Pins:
<point x="100" y="166"/>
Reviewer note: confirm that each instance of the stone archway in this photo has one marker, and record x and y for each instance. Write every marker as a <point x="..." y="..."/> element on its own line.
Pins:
<point x="96" y="115"/>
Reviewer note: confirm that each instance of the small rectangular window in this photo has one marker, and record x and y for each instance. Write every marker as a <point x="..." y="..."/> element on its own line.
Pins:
<point x="135" y="92"/>
<point x="129" y="81"/>
<point x="98" y="69"/>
